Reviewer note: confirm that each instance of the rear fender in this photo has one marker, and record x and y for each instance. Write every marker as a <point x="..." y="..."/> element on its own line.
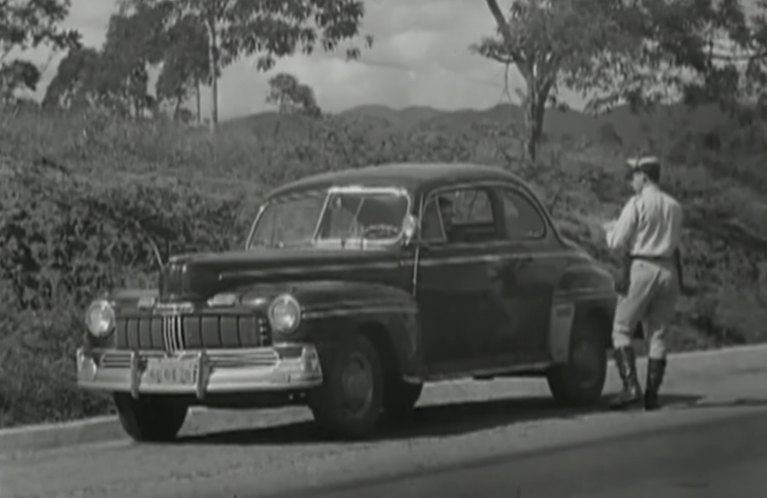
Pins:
<point x="584" y="294"/>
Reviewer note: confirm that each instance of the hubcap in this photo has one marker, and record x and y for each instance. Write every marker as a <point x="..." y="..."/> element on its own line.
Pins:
<point x="357" y="383"/>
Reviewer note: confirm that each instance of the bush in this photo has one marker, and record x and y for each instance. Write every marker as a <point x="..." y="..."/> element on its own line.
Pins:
<point x="88" y="202"/>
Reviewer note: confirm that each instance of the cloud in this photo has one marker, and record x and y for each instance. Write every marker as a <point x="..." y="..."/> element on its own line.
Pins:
<point x="420" y="56"/>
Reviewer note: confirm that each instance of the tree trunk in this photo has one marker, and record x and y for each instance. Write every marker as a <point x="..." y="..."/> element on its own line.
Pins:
<point x="177" y="107"/>
<point x="213" y="69"/>
<point x="197" y="98"/>
<point x="535" y="110"/>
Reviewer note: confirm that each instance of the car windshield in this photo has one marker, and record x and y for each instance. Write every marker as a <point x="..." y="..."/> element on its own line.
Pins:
<point x="349" y="217"/>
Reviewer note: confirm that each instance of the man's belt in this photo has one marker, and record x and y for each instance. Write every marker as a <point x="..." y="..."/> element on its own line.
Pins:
<point x="623" y="282"/>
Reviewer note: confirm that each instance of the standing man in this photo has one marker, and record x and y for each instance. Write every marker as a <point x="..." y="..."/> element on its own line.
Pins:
<point x="648" y="233"/>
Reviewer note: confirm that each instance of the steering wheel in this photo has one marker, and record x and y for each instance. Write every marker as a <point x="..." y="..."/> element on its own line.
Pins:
<point x="382" y="229"/>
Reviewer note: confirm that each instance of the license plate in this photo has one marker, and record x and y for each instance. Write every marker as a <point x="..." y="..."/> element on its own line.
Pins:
<point x="171" y="372"/>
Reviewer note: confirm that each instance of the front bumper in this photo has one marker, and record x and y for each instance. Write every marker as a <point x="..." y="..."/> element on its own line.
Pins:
<point x="280" y="368"/>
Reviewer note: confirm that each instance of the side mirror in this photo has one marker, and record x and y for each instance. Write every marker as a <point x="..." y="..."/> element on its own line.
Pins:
<point x="409" y="228"/>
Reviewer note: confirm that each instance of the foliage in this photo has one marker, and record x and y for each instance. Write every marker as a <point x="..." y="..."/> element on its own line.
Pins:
<point x="641" y="53"/>
<point x="25" y="25"/>
<point x="185" y="63"/>
<point x="548" y="41"/>
<point x="117" y="76"/>
<point x="268" y="30"/>
<point x="291" y="97"/>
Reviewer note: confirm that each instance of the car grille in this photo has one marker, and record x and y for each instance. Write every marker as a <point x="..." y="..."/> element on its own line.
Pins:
<point x="178" y="332"/>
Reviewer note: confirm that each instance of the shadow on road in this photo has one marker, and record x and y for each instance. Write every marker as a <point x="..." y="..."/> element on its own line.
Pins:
<point x="696" y="404"/>
<point x="439" y="420"/>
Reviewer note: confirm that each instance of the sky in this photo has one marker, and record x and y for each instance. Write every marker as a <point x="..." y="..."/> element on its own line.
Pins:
<point x="420" y="57"/>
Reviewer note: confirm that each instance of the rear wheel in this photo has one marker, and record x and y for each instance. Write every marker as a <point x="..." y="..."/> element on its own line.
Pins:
<point x="400" y="397"/>
<point x="581" y="380"/>
<point x="150" y="418"/>
<point x="348" y="404"/>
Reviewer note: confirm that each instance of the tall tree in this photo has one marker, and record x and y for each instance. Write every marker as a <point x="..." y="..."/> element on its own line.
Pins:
<point x="549" y="40"/>
<point x="640" y="52"/>
<point x="292" y="97"/>
<point x="136" y="41"/>
<point x="268" y="30"/>
<point x="30" y="24"/>
<point x="87" y="78"/>
<point x="185" y="63"/>
<point x="117" y="76"/>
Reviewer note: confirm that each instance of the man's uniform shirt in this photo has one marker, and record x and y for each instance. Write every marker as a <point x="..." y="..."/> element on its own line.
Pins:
<point x="650" y="225"/>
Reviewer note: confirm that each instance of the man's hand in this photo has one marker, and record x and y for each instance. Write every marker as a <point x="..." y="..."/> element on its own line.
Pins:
<point x="608" y="225"/>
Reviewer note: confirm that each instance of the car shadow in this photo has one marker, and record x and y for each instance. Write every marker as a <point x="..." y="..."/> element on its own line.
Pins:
<point x="430" y="421"/>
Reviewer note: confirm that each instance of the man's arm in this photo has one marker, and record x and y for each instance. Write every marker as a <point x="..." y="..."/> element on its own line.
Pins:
<point x="618" y="235"/>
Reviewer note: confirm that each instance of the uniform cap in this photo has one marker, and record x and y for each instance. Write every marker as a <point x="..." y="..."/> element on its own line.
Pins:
<point x="649" y="165"/>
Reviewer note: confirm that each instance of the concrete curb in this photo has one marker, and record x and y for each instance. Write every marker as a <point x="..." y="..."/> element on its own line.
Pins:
<point x="47" y="436"/>
<point x="106" y="428"/>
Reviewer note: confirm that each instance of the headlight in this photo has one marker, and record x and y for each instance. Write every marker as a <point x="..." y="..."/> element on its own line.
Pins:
<point x="100" y="318"/>
<point x="284" y="314"/>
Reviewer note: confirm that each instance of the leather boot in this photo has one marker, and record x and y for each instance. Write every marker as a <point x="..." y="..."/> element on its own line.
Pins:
<point x="655" y="370"/>
<point x="631" y="395"/>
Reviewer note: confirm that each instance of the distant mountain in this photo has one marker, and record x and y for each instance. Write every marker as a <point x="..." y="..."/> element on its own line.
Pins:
<point x="632" y="129"/>
<point x="401" y="120"/>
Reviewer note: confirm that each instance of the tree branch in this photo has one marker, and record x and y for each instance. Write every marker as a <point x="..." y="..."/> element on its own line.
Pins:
<point x="500" y="20"/>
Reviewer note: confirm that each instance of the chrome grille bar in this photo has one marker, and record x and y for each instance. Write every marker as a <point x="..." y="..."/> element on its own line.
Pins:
<point x="173" y="333"/>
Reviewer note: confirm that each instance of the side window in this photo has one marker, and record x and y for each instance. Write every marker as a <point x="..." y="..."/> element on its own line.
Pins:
<point x="459" y="216"/>
<point x="432" y="229"/>
<point x="522" y="220"/>
<point x="471" y="206"/>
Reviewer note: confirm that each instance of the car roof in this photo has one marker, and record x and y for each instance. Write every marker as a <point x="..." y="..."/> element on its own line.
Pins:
<point x="413" y="176"/>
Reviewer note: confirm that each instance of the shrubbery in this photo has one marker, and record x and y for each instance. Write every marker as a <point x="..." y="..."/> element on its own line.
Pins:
<point x="88" y="201"/>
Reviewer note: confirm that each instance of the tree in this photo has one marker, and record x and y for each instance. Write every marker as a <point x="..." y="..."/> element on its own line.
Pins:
<point x="136" y="41"/>
<point x="14" y="75"/>
<point x="117" y="76"/>
<point x="640" y="53"/>
<point x="292" y="97"/>
<point x="269" y="30"/>
<point x="25" y="25"/>
<point x="546" y="40"/>
<point x="185" y="63"/>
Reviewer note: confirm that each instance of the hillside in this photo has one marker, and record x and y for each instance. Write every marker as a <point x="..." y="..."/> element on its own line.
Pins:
<point x="662" y="125"/>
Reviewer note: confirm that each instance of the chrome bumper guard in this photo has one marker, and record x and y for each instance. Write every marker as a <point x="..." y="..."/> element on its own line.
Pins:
<point x="278" y="368"/>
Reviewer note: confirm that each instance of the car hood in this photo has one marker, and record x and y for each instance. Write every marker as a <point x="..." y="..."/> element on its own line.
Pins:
<point x="199" y="276"/>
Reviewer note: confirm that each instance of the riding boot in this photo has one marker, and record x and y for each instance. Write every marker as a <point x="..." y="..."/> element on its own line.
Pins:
<point x="655" y="370"/>
<point x="631" y="395"/>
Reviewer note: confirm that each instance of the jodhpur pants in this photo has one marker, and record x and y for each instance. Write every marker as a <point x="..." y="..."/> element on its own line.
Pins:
<point x="650" y="300"/>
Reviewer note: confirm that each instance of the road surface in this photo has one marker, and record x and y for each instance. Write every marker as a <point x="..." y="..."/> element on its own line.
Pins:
<point x="498" y="438"/>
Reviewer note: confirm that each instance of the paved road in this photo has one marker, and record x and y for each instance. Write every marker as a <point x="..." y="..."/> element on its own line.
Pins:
<point x="727" y="457"/>
<point x="500" y="438"/>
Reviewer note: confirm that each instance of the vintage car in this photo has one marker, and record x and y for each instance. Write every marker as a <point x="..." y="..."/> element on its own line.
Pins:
<point x="355" y="288"/>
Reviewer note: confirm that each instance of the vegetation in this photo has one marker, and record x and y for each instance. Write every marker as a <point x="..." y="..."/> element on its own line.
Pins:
<point x="643" y="52"/>
<point x="99" y="181"/>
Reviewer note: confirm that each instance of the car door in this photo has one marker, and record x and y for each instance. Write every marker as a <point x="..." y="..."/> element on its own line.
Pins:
<point x="454" y="279"/>
<point x="526" y="277"/>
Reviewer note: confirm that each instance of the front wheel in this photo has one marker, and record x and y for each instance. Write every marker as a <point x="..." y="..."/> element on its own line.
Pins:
<point x="348" y="404"/>
<point x="580" y="381"/>
<point x="150" y="418"/>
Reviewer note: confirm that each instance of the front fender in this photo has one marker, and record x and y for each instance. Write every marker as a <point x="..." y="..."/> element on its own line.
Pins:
<point x="387" y="315"/>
